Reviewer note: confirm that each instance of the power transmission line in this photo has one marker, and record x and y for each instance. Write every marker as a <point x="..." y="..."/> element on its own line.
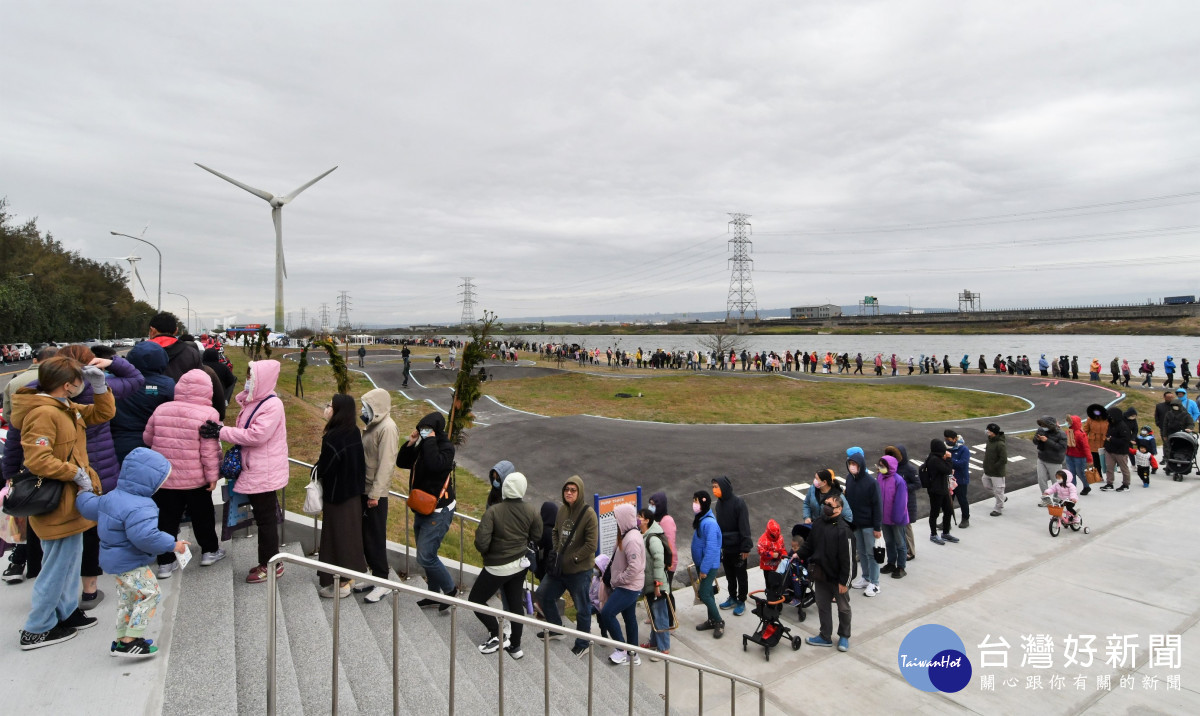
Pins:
<point x="343" y="324"/>
<point x="324" y="318"/>
<point x="741" y="287"/>
<point x="467" y="299"/>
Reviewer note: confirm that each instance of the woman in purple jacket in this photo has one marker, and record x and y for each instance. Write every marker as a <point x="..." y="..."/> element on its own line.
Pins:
<point x="894" y="492"/>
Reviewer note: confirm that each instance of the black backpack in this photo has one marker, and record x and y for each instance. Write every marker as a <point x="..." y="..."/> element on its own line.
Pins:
<point x="923" y="473"/>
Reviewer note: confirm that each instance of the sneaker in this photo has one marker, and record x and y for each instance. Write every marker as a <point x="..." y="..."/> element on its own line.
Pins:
<point x="362" y="588"/>
<point x="1145" y="484"/>
<point x="859" y="583"/>
<point x="887" y="569"/>
<point x="818" y="641"/>
<point x="579" y="649"/>
<point x="996" y="513"/>
<point x="1106" y="487"/>
<point x="164" y="570"/>
<point x="136" y="649"/>
<point x="426" y="603"/>
<point x="78" y="621"/>
<point x="871" y="590"/>
<point x="13" y="573"/>
<point x="341" y="591"/>
<point x="1086" y="490"/>
<point x="899" y="574"/>
<point x="254" y="576"/>
<point x="949" y="537"/>
<point x="514" y="651"/>
<point x="376" y="594"/>
<point x="208" y="559"/>
<point x="492" y="645"/>
<point x="936" y="540"/>
<point x="843" y="644"/>
<point x="444" y="607"/>
<point x="618" y="656"/>
<point x="1122" y="488"/>
<point x="706" y="625"/>
<point x="740" y="609"/>
<point x="727" y="604"/>
<point x="551" y="635"/>
<point x="718" y="630"/>
<point x="89" y="600"/>
<point x="33" y="640"/>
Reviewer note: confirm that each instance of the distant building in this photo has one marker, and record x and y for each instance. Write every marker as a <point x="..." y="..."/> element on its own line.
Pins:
<point x="827" y="310"/>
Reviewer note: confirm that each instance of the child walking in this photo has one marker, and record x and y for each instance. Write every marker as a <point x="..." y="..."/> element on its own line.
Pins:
<point x="129" y="542"/>
<point x="1142" y="459"/>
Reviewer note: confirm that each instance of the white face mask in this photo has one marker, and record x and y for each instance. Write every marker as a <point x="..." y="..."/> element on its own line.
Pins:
<point x="650" y="507"/>
<point x="426" y="432"/>
<point x="75" y="392"/>
<point x="250" y="385"/>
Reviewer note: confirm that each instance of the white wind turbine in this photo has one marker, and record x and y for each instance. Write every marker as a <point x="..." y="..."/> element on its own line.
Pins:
<point x="133" y="273"/>
<point x="277" y="203"/>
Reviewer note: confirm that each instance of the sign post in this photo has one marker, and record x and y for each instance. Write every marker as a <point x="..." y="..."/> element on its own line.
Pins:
<point x="605" y="506"/>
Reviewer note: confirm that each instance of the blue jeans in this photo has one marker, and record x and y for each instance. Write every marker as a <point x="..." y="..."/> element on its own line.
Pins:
<point x="624" y="602"/>
<point x="1077" y="466"/>
<point x="661" y="612"/>
<point x="897" y="546"/>
<point x="864" y="542"/>
<point x="429" y="530"/>
<point x="576" y="585"/>
<point x="56" y="591"/>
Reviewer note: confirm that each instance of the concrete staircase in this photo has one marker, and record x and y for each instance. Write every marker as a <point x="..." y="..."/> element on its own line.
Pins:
<point x="217" y="655"/>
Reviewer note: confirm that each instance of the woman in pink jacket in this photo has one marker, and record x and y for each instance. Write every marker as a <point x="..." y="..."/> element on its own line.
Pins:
<point x="261" y="430"/>
<point x="174" y="432"/>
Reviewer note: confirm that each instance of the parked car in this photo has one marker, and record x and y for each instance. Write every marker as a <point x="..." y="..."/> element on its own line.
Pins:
<point x="24" y="351"/>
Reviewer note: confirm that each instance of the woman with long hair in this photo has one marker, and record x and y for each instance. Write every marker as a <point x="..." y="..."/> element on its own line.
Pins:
<point x="342" y="471"/>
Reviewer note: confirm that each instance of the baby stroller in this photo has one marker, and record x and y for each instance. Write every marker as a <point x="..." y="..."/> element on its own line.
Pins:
<point x="768" y="606"/>
<point x="797" y="587"/>
<point x="1181" y="455"/>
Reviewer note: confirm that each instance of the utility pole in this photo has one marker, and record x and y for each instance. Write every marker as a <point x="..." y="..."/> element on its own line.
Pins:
<point x="324" y="318"/>
<point x="343" y="324"/>
<point x="467" y="300"/>
<point x="741" y="287"/>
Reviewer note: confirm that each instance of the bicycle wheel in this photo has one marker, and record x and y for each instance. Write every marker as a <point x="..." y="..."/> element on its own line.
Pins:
<point x="1055" y="527"/>
<point x="1077" y="525"/>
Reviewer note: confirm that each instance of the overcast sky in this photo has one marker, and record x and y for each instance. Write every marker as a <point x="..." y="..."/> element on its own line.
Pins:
<point x="583" y="157"/>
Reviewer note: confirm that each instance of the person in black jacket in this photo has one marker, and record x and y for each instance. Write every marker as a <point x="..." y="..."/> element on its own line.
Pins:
<point x="212" y="359"/>
<point x="1116" y="448"/>
<point x="429" y="455"/>
<point x="830" y="562"/>
<point x="736" y="541"/>
<point x="937" y="471"/>
<point x="342" y="471"/>
<point x="866" y="502"/>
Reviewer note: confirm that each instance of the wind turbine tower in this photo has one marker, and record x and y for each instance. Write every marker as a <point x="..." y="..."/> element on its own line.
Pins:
<point x="277" y="203"/>
<point x="133" y="273"/>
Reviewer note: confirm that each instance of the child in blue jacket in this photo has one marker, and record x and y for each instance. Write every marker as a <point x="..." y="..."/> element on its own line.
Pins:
<point x="706" y="553"/>
<point x="129" y="543"/>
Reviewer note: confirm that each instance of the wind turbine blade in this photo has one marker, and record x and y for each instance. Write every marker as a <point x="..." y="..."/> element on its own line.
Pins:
<point x="266" y="196"/>
<point x="296" y="193"/>
<point x="277" y="217"/>
<point x="138" y="276"/>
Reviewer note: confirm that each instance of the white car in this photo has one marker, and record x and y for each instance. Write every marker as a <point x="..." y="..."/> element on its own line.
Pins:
<point x="24" y="351"/>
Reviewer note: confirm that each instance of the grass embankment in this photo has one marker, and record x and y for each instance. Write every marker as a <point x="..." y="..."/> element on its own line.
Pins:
<point x="304" y="426"/>
<point x="761" y="399"/>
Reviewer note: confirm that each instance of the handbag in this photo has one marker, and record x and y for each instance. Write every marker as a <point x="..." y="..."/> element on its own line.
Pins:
<point x="424" y="503"/>
<point x="529" y="560"/>
<point x="30" y="495"/>
<point x="231" y="462"/>
<point x="554" y="558"/>
<point x="314" y="501"/>
<point x="1093" y="475"/>
<point x="880" y="550"/>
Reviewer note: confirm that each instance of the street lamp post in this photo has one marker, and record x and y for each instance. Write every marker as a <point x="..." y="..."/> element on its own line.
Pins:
<point x="160" y="291"/>
<point x="189" y="307"/>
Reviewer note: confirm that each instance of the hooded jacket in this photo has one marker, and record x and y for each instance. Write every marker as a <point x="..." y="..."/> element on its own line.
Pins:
<point x="770" y="547"/>
<point x="1169" y="365"/>
<point x="656" y="560"/>
<point x="893" y="493"/>
<point x="938" y="468"/>
<point x="342" y="466"/>
<point x="960" y="461"/>
<point x="828" y="552"/>
<point x="54" y="444"/>
<point x="182" y="356"/>
<point x="663" y="517"/>
<point x="507" y="528"/>
<point x="580" y="518"/>
<point x="430" y="461"/>
<point x="134" y="410"/>
<point x="212" y="359"/>
<point x="629" y="559"/>
<point x="1054" y="449"/>
<point x="381" y="443"/>
<point x="1076" y="434"/>
<point x="597" y="592"/>
<point x="127" y="517"/>
<point x="1119" y="438"/>
<point x="1176" y="420"/>
<point x="264" y="440"/>
<point x="1189" y="405"/>
<point x="862" y="492"/>
<point x="706" y="544"/>
<point x="733" y="518"/>
<point x="995" y="456"/>
<point x="1067" y="492"/>
<point x="496" y="476"/>
<point x="174" y="432"/>
<point x="908" y="471"/>
<point x="1096" y="427"/>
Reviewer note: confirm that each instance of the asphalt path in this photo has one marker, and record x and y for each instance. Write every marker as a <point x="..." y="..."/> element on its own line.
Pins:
<point x="769" y="465"/>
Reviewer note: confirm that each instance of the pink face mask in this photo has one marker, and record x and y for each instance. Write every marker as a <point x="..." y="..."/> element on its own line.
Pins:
<point x="696" y="508"/>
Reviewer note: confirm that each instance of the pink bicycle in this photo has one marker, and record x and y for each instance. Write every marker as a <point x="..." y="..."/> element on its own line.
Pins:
<point x="1061" y="517"/>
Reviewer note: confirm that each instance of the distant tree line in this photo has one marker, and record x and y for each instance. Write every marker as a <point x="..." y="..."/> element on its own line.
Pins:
<point x="68" y="297"/>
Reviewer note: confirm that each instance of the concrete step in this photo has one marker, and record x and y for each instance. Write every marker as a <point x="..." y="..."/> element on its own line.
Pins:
<point x="250" y="653"/>
<point x="415" y="674"/>
<point x="311" y="640"/>
<point x="203" y="638"/>
<point x="369" y="674"/>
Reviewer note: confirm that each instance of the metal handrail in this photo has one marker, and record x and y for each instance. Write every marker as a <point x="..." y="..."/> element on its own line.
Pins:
<point x="460" y="516"/>
<point x="501" y="616"/>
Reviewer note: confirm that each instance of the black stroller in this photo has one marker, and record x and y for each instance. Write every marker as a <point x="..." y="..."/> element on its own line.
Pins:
<point x="797" y="587"/>
<point x="1180" y="455"/>
<point x="768" y="606"/>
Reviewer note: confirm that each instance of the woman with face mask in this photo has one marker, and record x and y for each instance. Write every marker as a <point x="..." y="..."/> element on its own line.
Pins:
<point x="54" y="440"/>
<point x="706" y="553"/>
<point x="823" y="484"/>
<point x="342" y="470"/>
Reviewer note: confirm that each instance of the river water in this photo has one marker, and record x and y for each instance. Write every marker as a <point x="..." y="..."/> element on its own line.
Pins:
<point x="1086" y="347"/>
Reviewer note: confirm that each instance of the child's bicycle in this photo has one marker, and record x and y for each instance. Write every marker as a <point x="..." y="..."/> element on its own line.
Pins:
<point x="1061" y="517"/>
